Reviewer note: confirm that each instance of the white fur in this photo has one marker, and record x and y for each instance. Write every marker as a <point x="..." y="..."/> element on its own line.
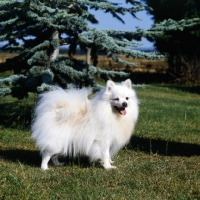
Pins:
<point x="66" y="122"/>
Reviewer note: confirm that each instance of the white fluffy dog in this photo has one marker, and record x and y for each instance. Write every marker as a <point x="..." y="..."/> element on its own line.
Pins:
<point x="66" y="122"/>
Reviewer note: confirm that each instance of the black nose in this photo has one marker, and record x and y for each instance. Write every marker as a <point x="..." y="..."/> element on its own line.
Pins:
<point x="124" y="104"/>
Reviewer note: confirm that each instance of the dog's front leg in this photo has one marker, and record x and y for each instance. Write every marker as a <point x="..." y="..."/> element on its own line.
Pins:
<point x="106" y="158"/>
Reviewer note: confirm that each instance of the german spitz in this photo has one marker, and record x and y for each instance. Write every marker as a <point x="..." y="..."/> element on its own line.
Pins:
<point x="67" y="122"/>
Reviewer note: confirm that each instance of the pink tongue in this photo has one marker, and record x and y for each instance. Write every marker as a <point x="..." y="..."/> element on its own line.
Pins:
<point x="122" y="111"/>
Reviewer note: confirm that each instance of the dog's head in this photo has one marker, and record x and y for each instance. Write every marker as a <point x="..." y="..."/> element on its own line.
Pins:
<point x="121" y="96"/>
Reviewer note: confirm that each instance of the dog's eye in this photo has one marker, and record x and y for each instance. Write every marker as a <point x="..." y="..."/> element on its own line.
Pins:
<point x="127" y="98"/>
<point x="116" y="99"/>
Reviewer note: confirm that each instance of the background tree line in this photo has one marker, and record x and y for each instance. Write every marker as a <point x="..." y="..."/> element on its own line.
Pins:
<point x="38" y="28"/>
<point x="181" y="46"/>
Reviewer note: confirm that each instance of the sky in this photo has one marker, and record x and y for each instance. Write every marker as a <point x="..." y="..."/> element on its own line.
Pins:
<point x="106" y="21"/>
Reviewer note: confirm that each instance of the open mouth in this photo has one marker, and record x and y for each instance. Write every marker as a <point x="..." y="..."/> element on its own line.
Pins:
<point x="121" y="110"/>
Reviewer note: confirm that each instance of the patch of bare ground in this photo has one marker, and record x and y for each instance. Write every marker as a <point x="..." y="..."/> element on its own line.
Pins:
<point x="144" y="66"/>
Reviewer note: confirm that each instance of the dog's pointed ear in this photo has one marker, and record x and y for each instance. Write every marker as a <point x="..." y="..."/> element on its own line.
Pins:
<point x="127" y="83"/>
<point x="109" y="85"/>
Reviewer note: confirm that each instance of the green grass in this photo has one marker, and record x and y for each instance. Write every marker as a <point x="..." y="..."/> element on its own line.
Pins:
<point x="162" y="160"/>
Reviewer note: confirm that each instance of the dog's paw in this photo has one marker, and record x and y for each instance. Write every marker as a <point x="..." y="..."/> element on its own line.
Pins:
<point x="56" y="161"/>
<point x="111" y="161"/>
<point x="108" y="167"/>
<point x="59" y="163"/>
<point x="111" y="167"/>
<point x="44" y="168"/>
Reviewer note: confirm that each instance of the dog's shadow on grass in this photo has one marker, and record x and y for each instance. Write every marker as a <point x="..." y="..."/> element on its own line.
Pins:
<point x="33" y="158"/>
<point x="28" y="157"/>
<point x="162" y="147"/>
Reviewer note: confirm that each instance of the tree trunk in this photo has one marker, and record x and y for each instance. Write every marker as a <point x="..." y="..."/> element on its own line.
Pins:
<point x="88" y="56"/>
<point x="55" y="53"/>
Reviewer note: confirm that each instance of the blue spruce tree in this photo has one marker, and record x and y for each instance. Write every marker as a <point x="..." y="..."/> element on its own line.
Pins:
<point x="36" y="29"/>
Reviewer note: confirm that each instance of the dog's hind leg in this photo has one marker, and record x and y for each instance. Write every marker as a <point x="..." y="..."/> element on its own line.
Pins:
<point x="55" y="161"/>
<point x="45" y="159"/>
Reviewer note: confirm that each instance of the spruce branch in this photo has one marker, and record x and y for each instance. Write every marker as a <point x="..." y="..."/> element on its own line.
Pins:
<point x="13" y="79"/>
<point x="172" y="25"/>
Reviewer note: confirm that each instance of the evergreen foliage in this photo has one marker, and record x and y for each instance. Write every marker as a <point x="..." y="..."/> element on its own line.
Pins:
<point x="36" y="29"/>
<point x="181" y="38"/>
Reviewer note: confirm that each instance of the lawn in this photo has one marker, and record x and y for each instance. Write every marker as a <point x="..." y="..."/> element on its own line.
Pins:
<point x="162" y="160"/>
